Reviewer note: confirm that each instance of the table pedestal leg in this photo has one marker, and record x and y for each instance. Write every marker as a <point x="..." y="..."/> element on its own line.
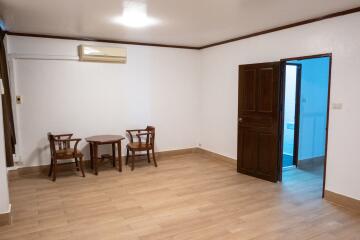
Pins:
<point x="95" y="158"/>
<point x="119" y="155"/>
<point x="113" y="154"/>
<point x="91" y="156"/>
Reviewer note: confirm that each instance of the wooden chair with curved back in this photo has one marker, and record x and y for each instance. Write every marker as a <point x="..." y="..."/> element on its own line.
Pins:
<point x="60" y="149"/>
<point x="141" y="144"/>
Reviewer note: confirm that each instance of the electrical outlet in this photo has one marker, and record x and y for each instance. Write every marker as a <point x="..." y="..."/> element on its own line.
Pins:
<point x="17" y="160"/>
<point x="18" y="100"/>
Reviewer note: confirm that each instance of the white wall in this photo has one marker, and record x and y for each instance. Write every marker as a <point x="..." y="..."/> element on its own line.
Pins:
<point x="4" y="191"/>
<point x="341" y="36"/>
<point x="157" y="86"/>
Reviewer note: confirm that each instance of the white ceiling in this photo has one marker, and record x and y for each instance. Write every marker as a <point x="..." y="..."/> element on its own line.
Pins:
<point x="182" y="22"/>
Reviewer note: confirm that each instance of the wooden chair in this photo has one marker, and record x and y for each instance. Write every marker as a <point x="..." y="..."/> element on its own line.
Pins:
<point x="140" y="145"/>
<point x="60" y="149"/>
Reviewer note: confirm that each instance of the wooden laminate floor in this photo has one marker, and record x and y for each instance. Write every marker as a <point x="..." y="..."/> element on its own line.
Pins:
<point x="187" y="197"/>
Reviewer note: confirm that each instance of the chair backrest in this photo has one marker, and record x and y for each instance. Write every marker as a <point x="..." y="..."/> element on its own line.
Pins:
<point x="58" y="145"/>
<point x="151" y="131"/>
<point x="52" y="143"/>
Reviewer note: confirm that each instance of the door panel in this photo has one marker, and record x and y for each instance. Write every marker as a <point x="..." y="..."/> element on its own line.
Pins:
<point x="265" y="90"/>
<point x="249" y="152"/>
<point x="258" y="124"/>
<point x="248" y="94"/>
<point x="266" y="149"/>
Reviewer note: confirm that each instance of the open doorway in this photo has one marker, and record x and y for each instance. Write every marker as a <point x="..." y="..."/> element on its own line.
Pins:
<point x="305" y="95"/>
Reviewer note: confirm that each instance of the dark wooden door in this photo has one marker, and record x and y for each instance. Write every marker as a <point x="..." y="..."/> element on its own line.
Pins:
<point x="258" y="120"/>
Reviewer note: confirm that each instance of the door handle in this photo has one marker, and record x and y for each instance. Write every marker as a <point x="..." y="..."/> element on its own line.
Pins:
<point x="240" y="119"/>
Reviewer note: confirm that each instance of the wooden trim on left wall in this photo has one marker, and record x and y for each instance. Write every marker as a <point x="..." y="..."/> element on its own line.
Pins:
<point x="2" y="35"/>
<point x="8" y="118"/>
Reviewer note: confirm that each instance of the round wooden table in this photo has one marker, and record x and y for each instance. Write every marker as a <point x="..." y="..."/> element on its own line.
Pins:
<point x="95" y="141"/>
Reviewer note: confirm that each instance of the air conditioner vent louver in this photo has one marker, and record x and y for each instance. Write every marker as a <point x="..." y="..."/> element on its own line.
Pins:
<point x="102" y="54"/>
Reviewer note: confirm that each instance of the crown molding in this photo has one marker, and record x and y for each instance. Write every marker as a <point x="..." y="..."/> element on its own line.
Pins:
<point x="312" y="20"/>
<point x="98" y="40"/>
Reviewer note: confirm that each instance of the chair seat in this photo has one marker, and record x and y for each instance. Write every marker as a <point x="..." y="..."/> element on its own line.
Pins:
<point x="138" y="146"/>
<point x="68" y="153"/>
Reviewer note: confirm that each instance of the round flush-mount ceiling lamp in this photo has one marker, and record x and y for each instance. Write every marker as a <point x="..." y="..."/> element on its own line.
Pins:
<point x="135" y="15"/>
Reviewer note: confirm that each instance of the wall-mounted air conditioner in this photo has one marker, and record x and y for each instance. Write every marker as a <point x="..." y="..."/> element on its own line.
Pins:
<point x="102" y="54"/>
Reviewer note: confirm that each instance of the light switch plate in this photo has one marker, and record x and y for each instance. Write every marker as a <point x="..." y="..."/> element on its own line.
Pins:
<point x="337" y="106"/>
<point x="18" y="99"/>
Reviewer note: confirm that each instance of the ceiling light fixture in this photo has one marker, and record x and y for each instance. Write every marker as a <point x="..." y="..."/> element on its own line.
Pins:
<point x="135" y="15"/>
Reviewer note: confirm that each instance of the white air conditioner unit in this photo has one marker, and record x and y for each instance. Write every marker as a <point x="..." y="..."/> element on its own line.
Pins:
<point x="102" y="54"/>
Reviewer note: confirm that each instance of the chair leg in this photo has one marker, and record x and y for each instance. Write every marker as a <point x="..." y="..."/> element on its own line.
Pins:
<point x="51" y="168"/>
<point x="127" y="157"/>
<point x="132" y="160"/>
<point x="153" y="153"/>
<point x="77" y="164"/>
<point x="82" y="166"/>
<point x="54" y="170"/>
<point x="148" y="155"/>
